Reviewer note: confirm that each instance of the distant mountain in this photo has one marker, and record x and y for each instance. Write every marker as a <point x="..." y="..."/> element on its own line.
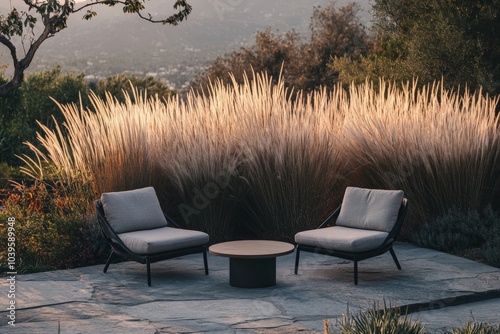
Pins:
<point x="114" y="42"/>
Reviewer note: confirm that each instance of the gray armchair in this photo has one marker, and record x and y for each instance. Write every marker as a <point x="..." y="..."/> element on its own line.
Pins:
<point x="365" y="225"/>
<point x="137" y="229"/>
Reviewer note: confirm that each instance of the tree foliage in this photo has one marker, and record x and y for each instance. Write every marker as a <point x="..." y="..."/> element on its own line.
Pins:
<point x="23" y="108"/>
<point x="458" y="40"/>
<point x="51" y="16"/>
<point x="334" y="32"/>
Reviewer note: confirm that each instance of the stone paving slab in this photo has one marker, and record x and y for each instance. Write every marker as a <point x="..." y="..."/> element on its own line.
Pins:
<point x="183" y="300"/>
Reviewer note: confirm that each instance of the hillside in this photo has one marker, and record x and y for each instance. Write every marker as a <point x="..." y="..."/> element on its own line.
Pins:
<point x="114" y="42"/>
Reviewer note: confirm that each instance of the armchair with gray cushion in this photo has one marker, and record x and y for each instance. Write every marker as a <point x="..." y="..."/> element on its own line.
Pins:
<point x="364" y="226"/>
<point x="137" y="229"/>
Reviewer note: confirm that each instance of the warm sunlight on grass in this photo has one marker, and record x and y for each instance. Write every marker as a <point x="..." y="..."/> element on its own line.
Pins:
<point x="247" y="160"/>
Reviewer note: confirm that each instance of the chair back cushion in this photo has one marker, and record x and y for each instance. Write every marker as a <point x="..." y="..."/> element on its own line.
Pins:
<point x="370" y="209"/>
<point x="133" y="210"/>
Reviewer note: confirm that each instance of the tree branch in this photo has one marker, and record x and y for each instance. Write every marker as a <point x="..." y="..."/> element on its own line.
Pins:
<point x="173" y="19"/>
<point x="18" y="77"/>
<point x="21" y="65"/>
<point x="54" y="17"/>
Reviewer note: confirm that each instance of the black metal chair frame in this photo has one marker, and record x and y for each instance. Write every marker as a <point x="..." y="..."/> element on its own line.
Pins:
<point x="119" y="248"/>
<point x="356" y="257"/>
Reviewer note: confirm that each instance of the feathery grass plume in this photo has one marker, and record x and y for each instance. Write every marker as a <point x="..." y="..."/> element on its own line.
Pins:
<point x="201" y="159"/>
<point x="292" y="166"/>
<point x="440" y="147"/>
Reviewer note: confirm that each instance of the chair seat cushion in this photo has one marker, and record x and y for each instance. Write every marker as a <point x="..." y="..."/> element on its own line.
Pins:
<point x="343" y="239"/>
<point x="162" y="239"/>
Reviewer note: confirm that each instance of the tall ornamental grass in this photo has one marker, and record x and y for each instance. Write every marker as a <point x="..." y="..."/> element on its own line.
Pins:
<point x="440" y="147"/>
<point x="247" y="160"/>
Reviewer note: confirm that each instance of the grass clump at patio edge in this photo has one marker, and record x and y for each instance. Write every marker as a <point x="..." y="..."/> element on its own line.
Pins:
<point x="376" y="321"/>
<point x="389" y="320"/>
<point x="472" y="327"/>
<point x="247" y="160"/>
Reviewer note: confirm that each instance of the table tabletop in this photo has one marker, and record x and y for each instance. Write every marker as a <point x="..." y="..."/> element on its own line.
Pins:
<point x="251" y="248"/>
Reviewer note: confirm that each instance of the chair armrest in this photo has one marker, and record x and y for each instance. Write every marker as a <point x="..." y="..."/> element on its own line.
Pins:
<point x="330" y="218"/>
<point x="106" y="228"/>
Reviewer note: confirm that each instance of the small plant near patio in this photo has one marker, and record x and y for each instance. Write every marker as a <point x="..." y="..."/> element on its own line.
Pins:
<point x="389" y="321"/>
<point x="377" y="321"/>
<point x="473" y="327"/>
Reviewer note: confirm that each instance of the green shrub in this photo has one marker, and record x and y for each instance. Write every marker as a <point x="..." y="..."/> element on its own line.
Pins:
<point x="12" y="126"/>
<point x="459" y="231"/>
<point x="53" y="229"/>
<point x="39" y="90"/>
<point x="433" y="40"/>
<point x="32" y="103"/>
<point x="335" y="31"/>
<point x="491" y="249"/>
<point x="452" y="232"/>
<point x="122" y="85"/>
<point x="7" y="171"/>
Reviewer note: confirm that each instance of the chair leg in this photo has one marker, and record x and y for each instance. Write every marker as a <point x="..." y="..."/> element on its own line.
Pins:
<point x="355" y="272"/>
<point x="109" y="261"/>
<point x="395" y="258"/>
<point x="148" y="268"/>
<point x="205" y="261"/>
<point x="297" y="260"/>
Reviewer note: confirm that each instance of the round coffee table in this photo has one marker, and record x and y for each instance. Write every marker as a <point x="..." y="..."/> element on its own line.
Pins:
<point x="252" y="263"/>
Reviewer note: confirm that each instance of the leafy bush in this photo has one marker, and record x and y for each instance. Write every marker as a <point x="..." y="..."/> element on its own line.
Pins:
<point x="7" y="171"/>
<point x="335" y="31"/>
<point x="458" y="232"/>
<point x="40" y="88"/>
<point x="12" y="126"/>
<point x="117" y="85"/>
<point x="32" y="103"/>
<point x="53" y="229"/>
<point x="454" y="40"/>
<point x="22" y="109"/>
<point x="452" y="232"/>
<point x="491" y="249"/>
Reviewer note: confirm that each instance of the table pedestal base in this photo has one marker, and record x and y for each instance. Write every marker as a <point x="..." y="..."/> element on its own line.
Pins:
<point x="252" y="273"/>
